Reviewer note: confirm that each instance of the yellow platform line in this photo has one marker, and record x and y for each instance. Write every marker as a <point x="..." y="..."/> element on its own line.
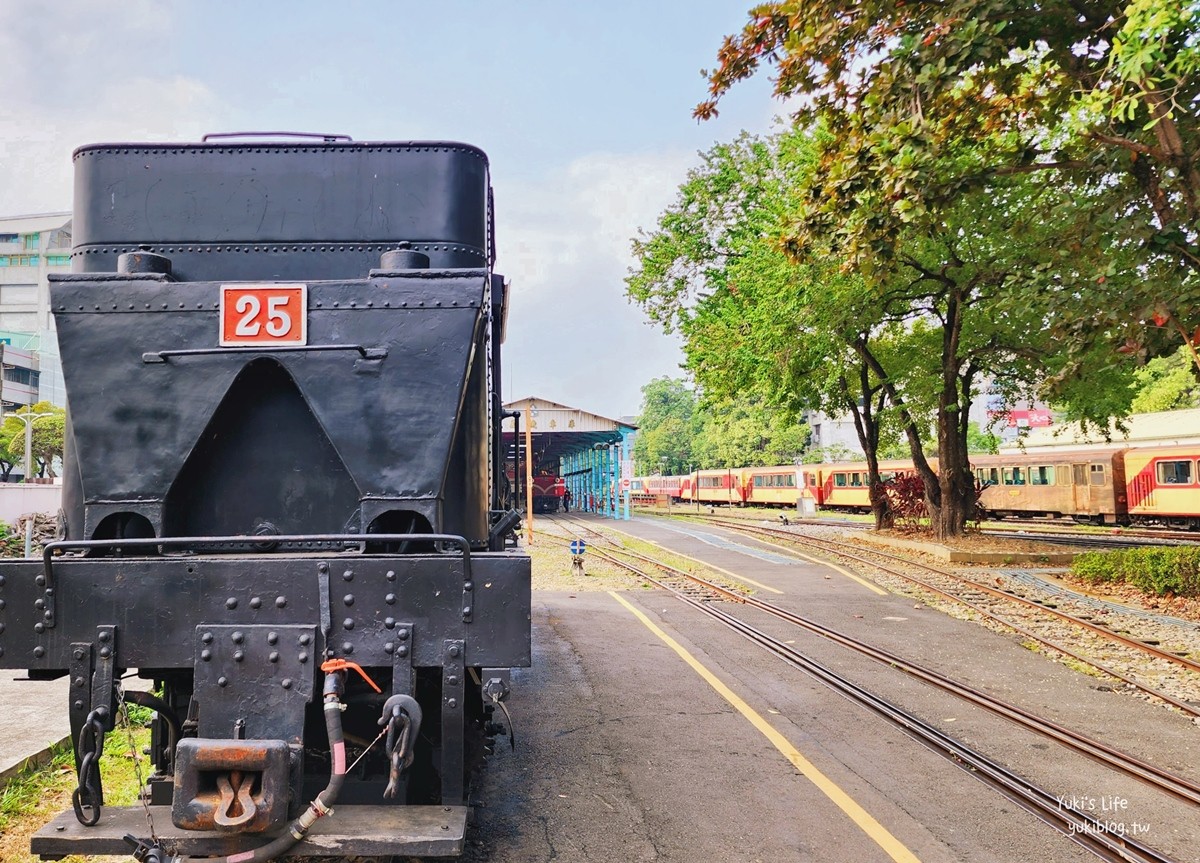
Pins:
<point x="879" y="834"/>
<point x="725" y="572"/>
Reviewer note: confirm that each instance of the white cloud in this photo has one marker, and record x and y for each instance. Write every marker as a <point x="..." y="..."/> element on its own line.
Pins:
<point x="79" y="78"/>
<point x="564" y="242"/>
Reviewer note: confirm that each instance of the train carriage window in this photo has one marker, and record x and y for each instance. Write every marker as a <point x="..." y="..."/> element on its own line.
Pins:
<point x="812" y="479"/>
<point x="1175" y="472"/>
<point x="887" y="477"/>
<point x="856" y="480"/>
<point x="1063" y="473"/>
<point x="1041" y="475"/>
<point x="1013" y="475"/>
<point x="839" y="479"/>
<point x="790" y="480"/>
<point x="1079" y="474"/>
<point x="1099" y="475"/>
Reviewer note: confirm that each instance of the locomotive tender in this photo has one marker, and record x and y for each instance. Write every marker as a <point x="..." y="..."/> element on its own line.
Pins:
<point x="281" y="497"/>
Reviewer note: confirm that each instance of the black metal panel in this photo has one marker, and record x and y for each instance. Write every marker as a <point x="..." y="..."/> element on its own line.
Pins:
<point x="249" y="211"/>
<point x="392" y="421"/>
<point x="253" y="682"/>
<point x="157" y="603"/>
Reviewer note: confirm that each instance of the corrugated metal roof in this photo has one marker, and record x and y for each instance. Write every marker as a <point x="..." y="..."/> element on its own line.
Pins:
<point x="558" y="430"/>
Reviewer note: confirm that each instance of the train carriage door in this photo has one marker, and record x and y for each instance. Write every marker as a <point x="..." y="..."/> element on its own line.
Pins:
<point x="1080" y="490"/>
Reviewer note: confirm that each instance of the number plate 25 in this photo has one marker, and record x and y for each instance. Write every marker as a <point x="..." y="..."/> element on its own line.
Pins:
<point x="264" y="315"/>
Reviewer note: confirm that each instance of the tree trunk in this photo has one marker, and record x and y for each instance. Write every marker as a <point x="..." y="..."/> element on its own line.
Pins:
<point x="956" y="488"/>
<point x="866" y="426"/>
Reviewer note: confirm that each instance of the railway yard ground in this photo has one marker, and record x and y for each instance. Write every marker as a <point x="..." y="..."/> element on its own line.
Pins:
<point x="648" y="730"/>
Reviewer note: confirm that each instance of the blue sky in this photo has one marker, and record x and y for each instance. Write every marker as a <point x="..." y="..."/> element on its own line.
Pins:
<point x="583" y="108"/>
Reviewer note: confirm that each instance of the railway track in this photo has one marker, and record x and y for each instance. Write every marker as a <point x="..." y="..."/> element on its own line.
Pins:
<point x="1079" y="826"/>
<point x="997" y="604"/>
<point x="1043" y="530"/>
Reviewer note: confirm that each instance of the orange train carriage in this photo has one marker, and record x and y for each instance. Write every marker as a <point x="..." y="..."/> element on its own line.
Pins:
<point x="1115" y="485"/>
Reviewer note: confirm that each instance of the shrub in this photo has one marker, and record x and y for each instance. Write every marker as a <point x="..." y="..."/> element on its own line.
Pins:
<point x="1158" y="570"/>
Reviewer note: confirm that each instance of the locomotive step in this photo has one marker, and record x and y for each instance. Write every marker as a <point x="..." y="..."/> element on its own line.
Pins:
<point x="416" y="831"/>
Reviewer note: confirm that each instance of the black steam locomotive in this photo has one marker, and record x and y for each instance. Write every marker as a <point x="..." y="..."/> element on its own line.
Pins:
<point x="281" y="498"/>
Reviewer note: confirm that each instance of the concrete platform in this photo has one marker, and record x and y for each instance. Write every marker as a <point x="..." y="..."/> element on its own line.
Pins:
<point x="33" y="718"/>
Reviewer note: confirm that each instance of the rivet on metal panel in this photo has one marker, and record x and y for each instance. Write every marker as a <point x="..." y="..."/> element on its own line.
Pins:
<point x="389" y="647"/>
<point x="78" y="681"/>
<point x="403" y="633"/>
<point x="322" y="567"/>
<point x="255" y="602"/>
<point x="455" y="650"/>
<point x="222" y="681"/>
<point x="305" y="639"/>
<point x="274" y="656"/>
<point x="468" y="585"/>
<point x="207" y="638"/>
<point x="389" y="622"/>
<point x="348" y="575"/>
<point x="39" y="628"/>
<point x="231" y="603"/>
<point x="280" y="601"/>
<point x="390" y="599"/>
<point x="391" y="575"/>
<point x="402" y="650"/>
<point x="237" y="637"/>
<point x="303" y="657"/>
<point x="39" y="651"/>
<point x="347" y="647"/>
<point x="104" y="636"/>
<point x="348" y="623"/>
<point x="452" y="702"/>
<point x="105" y="652"/>
<point x="206" y="655"/>
<point x="239" y="655"/>
<point x="348" y="599"/>
<point x="286" y="683"/>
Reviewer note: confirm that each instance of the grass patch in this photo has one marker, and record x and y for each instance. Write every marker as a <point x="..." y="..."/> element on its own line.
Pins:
<point x="38" y="793"/>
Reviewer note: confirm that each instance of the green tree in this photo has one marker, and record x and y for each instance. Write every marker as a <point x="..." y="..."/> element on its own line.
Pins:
<point x="47" y="437"/>
<point x="743" y="268"/>
<point x="666" y="428"/>
<point x="1098" y="95"/>
<point x="981" y="441"/>
<point x="746" y="433"/>
<point x="1166" y="384"/>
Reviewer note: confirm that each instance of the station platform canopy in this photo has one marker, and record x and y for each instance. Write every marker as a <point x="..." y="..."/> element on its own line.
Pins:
<point x="560" y="431"/>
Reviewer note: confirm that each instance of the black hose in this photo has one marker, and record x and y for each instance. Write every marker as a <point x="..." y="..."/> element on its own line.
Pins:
<point x="320" y="805"/>
<point x="153" y="702"/>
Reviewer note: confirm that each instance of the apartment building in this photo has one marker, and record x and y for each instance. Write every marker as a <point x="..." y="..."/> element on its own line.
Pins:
<point x="31" y="247"/>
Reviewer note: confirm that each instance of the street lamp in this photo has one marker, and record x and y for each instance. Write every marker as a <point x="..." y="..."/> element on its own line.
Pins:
<point x="28" y="419"/>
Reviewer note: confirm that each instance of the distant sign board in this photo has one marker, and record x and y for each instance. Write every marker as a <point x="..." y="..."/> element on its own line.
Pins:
<point x="578" y="546"/>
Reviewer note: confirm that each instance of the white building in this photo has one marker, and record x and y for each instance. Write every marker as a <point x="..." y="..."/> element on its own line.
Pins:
<point x="32" y="247"/>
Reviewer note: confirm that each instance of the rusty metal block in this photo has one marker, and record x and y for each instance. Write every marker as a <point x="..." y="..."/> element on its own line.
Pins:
<point x="231" y="785"/>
